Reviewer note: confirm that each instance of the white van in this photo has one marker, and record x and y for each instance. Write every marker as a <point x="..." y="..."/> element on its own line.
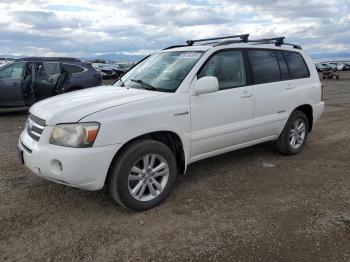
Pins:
<point x="175" y="107"/>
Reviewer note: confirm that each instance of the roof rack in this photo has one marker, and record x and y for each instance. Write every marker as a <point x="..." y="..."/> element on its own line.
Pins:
<point x="244" y="38"/>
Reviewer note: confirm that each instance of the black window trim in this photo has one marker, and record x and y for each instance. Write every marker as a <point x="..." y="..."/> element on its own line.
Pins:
<point x="279" y="65"/>
<point x="245" y="61"/>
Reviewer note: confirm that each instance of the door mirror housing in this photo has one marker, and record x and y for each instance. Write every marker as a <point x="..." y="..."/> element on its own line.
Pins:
<point x="205" y="85"/>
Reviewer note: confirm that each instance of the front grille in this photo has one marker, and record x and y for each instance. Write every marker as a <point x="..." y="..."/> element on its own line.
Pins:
<point x="35" y="126"/>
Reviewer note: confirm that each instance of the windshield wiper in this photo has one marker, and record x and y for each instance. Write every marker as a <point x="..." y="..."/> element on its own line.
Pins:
<point x="145" y="85"/>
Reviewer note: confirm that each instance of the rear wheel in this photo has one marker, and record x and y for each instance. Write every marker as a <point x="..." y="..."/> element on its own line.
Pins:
<point x="143" y="175"/>
<point x="294" y="136"/>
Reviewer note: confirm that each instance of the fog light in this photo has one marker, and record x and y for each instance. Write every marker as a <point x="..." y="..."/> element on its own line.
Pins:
<point x="56" y="167"/>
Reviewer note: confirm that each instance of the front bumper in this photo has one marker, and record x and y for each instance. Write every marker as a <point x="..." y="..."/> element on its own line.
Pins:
<point x="84" y="168"/>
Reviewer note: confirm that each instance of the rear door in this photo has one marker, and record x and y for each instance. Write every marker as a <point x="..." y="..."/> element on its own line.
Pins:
<point x="273" y="90"/>
<point x="10" y="85"/>
<point x="46" y="80"/>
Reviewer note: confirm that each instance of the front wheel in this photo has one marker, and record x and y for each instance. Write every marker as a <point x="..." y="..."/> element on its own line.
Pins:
<point x="143" y="175"/>
<point x="294" y="136"/>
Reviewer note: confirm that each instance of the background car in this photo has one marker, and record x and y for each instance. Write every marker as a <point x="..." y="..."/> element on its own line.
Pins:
<point x="125" y="66"/>
<point x="339" y="66"/>
<point x="5" y="60"/>
<point x="320" y="67"/>
<point x="28" y="80"/>
<point x="347" y="66"/>
<point x="107" y="71"/>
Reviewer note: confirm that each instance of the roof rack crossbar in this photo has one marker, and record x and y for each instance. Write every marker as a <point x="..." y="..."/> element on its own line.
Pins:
<point x="277" y="40"/>
<point x="227" y="42"/>
<point x="243" y="37"/>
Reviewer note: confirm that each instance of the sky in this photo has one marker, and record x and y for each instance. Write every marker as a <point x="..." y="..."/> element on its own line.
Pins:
<point x="91" y="27"/>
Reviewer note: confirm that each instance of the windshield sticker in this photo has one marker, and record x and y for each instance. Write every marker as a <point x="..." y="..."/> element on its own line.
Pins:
<point x="190" y="55"/>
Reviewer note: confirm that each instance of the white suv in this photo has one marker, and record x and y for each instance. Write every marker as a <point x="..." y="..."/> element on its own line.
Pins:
<point x="177" y="106"/>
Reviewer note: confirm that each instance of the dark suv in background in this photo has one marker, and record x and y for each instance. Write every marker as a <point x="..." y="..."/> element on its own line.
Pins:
<point x="28" y="80"/>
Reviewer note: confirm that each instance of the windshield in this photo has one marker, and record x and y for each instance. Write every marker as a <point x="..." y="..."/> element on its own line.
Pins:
<point x="162" y="72"/>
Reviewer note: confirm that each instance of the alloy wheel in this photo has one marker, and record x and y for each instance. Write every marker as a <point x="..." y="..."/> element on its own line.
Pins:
<point x="297" y="133"/>
<point x="148" y="177"/>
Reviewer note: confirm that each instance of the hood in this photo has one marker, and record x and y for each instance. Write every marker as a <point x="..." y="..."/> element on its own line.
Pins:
<point x="71" y="107"/>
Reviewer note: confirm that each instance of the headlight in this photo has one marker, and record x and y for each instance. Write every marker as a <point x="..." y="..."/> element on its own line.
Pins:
<point x="75" y="135"/>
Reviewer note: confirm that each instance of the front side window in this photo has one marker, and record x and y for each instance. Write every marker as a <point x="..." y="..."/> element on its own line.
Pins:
<point x="296" y="65"/>
<point x="227" y="67"/>
<point x="265" y="67"/>
<point x="162" y="71"/>
<point x="12" y="71"/>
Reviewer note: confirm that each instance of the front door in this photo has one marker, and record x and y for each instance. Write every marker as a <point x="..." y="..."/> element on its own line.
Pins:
<point x="222" y="119"/>
<point x="10" y="85"/>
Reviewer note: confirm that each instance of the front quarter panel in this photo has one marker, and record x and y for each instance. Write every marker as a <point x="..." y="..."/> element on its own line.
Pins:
<point x="169" y="112"/>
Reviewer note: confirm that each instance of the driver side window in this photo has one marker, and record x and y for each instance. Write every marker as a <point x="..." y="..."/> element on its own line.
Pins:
<point x="227" y="67"/>
<point x="12" y="71"/>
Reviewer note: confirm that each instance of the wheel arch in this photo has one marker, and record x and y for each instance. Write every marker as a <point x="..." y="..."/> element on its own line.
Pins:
<point x="308" y="111"/>
<point x="168" y="138"/>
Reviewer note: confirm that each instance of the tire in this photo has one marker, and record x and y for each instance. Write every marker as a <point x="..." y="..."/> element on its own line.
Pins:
<point x="284" y="144"/>
<point x="123" y="180"/>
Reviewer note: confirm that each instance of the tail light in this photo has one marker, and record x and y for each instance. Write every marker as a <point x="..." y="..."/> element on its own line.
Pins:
<point x="322" y="92"/>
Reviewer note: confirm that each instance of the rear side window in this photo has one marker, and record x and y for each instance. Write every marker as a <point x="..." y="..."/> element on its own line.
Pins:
<point x="296" y="64"/>
<point x="265" y="67"/>
<point x="227" y="67"/>
<point x="73" y="68"/>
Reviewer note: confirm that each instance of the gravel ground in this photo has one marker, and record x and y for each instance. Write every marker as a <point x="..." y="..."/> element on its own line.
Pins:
<point x="248" y="205"/>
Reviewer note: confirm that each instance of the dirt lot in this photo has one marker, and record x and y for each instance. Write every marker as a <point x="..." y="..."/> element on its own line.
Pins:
<point x="232" y="207"/>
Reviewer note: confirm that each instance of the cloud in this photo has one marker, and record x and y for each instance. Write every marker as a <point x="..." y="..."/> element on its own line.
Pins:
<point x="87" y="27"/>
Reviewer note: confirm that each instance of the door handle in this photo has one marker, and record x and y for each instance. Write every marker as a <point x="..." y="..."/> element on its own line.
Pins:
<point x="51" y="80"/>
<point x="14" y="84"/>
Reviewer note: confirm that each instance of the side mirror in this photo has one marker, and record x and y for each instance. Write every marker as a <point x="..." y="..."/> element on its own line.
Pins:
<point x="205" y="85"/>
